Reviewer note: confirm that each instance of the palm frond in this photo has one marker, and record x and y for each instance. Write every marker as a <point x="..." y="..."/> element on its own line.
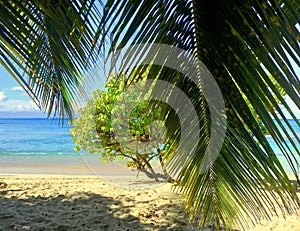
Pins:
<point x="46" y="46"/>
<point x="241" y="43"/>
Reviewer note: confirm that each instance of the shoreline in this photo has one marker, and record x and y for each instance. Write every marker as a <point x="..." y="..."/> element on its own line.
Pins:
<point x="69" y="191"/>
<point x="85" y="165"/>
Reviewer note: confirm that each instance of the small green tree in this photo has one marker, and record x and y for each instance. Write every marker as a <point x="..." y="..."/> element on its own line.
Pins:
<point x="101" y="122"/>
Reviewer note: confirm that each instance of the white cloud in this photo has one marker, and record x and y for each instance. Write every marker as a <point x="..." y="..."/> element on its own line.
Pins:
<point x="17" y="88"/>
<point x="18" y="106"/>
<point x="3" y="97"/>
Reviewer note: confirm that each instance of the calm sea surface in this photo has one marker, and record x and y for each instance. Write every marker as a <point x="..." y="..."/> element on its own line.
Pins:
<point x="28" y="140"/>
<point x="35" y="137"/>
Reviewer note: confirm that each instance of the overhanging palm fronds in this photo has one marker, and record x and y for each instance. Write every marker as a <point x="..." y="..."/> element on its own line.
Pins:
<point x="45" y="46"/>
<point x="241" y="43"/>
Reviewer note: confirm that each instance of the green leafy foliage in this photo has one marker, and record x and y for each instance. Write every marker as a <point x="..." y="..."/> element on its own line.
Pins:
<point x="245" y="45"/>
<point x="102" y="122"/>
<point x="45" y="47"/>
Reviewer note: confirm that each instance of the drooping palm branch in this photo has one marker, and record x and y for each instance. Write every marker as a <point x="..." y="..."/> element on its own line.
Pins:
<point x="46" y="46"/>
<point x="240" y="42"/>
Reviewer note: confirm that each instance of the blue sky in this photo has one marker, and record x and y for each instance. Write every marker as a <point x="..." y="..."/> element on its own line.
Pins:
<point x="14" y="102"/>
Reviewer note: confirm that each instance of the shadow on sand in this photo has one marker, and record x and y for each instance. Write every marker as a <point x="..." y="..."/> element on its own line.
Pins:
<point x="80" y="211"/>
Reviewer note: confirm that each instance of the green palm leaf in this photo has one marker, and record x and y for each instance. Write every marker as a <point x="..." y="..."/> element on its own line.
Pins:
<point x="241" y="44"/>
<point x="46" y="48"/>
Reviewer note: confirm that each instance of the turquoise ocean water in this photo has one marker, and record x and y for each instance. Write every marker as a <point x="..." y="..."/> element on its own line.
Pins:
<point x="34" y="137"/>
<point x="28" y="145"/>
<point x="45" y="141"/>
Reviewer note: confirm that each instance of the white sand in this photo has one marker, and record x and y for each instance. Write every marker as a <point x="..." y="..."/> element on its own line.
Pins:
<point x="66" y="202"/>
<point x="61" y="202"/>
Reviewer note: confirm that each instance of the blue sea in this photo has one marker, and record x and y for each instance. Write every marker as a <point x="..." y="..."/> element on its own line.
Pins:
<point x="35" y="137"/>
<point x="29" y="141"/>
<point x="38" y="146"/>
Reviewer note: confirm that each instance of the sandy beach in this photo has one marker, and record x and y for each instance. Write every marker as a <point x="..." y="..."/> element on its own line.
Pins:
<point x="86" y="202"/>
<point x="65" y="202"/>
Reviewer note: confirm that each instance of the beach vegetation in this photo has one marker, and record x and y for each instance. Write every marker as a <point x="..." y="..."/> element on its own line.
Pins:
<point x="48" y="46"/>
<point x="138" y="138"/>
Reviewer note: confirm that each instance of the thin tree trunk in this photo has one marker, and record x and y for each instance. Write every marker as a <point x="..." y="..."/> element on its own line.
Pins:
<point x="162" y="164"/>
<point x="148" y="165"/>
